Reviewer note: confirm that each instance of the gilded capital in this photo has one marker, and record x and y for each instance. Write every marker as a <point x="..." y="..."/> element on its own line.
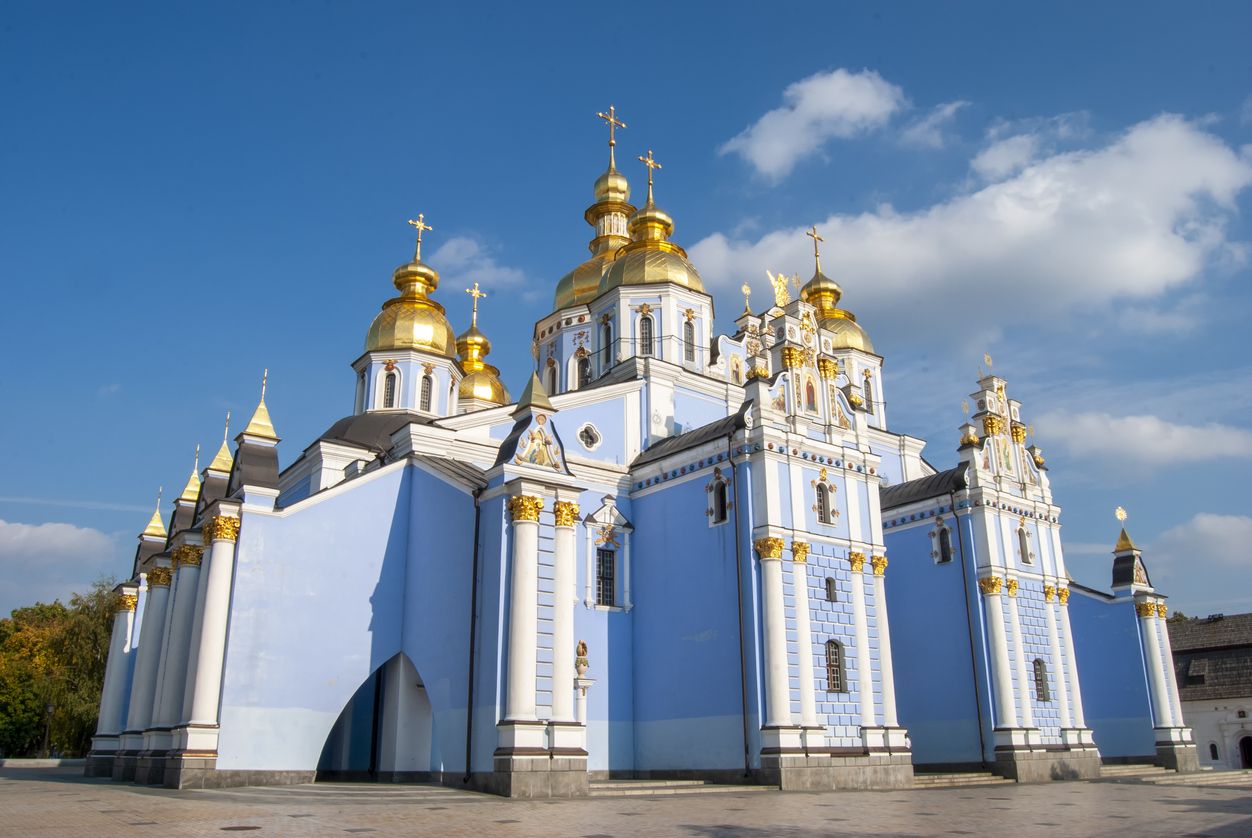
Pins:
<point x="1145" y="609"/>
<point x="879" y="563"/>
<point x="1012" y="587"/>
<point x="792" y="357"/>
<point x="827" y="368"/>
<point x="159" y="577"/>
<point x="1049" y="593"/>
<point x="769" y="548"/>
<point x="1062" y="594"/>
<point x="757" y="371"/>
<point x="187" y="555"/>
<point x="525" y="507"/>
<point x="990" y="585"/>
<point x="1162" y="610"/>
<point x="856" y="561"/>
<point x="126" y="602"/>
<point x="799" y="552"/>
<point x="992" y="425"/>
<point x="1018" y="430"/>
<point x="566" y="513"/>
<point x="221" y="528"/>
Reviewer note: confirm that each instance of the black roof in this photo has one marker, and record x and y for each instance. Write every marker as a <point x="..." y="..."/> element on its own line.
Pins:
<point x="672" y="445"/>
<point x="1212" y="657"/>
<point x="1124" y="571"/>
<point x="372" y="430"/>
<point x="931" y="486"/>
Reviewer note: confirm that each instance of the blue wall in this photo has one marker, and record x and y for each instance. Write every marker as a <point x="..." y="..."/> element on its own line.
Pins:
<point x="1110" y="668"/>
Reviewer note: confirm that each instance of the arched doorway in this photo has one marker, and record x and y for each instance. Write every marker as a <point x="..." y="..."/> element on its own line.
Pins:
<point x="384" y="732"/>
<point x="1245" y="751"/>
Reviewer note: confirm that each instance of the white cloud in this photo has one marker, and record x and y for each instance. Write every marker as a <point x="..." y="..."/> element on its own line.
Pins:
<point x="462" y="258"/>
<point x="821" y="107"/>
<point x="43" y="562"/>
<point x="1006" y="157"/>
<point x="1074" y="231"/>
<point x="1140" y="443"/>
<point x="1216" y="544"/>
<point x="928" y="131"/>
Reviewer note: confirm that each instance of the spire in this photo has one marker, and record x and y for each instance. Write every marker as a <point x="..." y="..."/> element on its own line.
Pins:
<point x="476" y="294"/>
<point x="260" y="425"/>
<point x="652" y="166"/>
<point x="613" y="122"/>
<point x="222" y="460"/>
<point x="192" y="490"/>
<point x="156" y="527"/>
<point x="534" y="396"/>
<point x="817" y="254"/>
<point x="482" y="381"/>
<point x="1124" y="542"/>
<point x="421" y="226"/>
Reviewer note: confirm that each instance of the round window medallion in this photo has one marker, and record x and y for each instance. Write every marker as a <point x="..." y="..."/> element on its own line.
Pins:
<point x="589" y="437"/>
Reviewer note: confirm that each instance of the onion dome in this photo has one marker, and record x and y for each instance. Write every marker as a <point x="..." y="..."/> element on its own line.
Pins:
<point x="823" y="293"/>
<point x="482" y="380"/>
<point x="608" y="216"/>
<point x="413" y="320"/>
<point x="651" y="257"/>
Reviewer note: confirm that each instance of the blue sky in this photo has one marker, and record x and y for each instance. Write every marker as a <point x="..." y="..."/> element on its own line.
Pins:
<point x="191" y="195"/>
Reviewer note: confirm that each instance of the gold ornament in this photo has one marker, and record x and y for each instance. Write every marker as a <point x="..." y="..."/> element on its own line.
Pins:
<point x="525" y="507"/>
<point x="1062" y="594"/>
<point x="1161" y="610"/>
<point x="792" y="357"/>
<point x="127" y="602"/>
<point x="565" y="512"/>
<point x="1049" y="593"/>
<point x="879" y="563"/>
<point x="856" y="561"/>
<point x="1145" y="609"/>
<point x="222" y="528"/>
<point x="159" y="577"/>
<point x="799" y="552"/>
<point x="769" y="548"/>
<point x="990" y="585"/>
<point x="1012" y="587"/>
<point x="187" y="555"/>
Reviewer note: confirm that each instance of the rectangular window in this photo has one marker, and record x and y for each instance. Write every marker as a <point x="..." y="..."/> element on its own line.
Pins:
<point x="606" y="577"/>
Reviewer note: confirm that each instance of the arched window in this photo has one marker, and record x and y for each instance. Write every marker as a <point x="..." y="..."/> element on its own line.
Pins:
<point x="1042" y="693"/>
<point x="428" y="385"/>
<point x="836" y="680"/>
<point x="832" y="594"/>
<point x="823" y="504"/>
<point x="551" y="385"/>
<point x="584" y="370"/>
<point x="719" y="501"/>
<point x="645" y="335"/>
<point x="389" y="389"/>
<point x="1023" y="544"/>
<point x="1213" y="751"/>
<point x="689" y="341"/>
<point x="810" y="396"/>
<point x="869" y="393"/>
<point x="606" y="577"/>
<point x="945" y="544"/>
<point x="606" y="345"/>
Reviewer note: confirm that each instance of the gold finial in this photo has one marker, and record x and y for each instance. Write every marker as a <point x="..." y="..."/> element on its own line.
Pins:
<point x="156" y="527"/>
<point x="986" y="359"/>
<point x="222" y="461"/>
<point x="747" y="295"/>
<point x="195" y="467"/>
<point x="226" y="429"/>
<point x="652" y="165"/>
<point x="192" y="490"/>
<point x="965" y="406"/>
<point x="817" y="254"/>
<point x="421" y="226"/>
<point x="265" y="377"/>
<point x="614" y="123"/>
<point x="260" y="424"/>
<point x="1120" y="514"/>
<point x="476" y="294"/>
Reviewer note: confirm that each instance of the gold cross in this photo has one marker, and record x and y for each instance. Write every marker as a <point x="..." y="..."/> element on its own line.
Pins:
<point x="986" y="359"/>
<point x="817" y="256"/>
<point x="652" y="165"/>
<point x="747" y="294"/>
<point x="421" y="226"/>
<point x="1120" y="514"/>
<point x="614" y="123"/>
<point x="476" y="294"/>
<point x="265" y="377"/>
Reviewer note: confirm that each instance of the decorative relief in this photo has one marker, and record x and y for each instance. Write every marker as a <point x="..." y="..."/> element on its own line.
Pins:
<point x="607" y="535"/>
<point x="879" y="563"/>
<point x="792" y="357"/>
<point x="757" y="371"/>
<point x="159" y="577"/>
<point x="992" y="425"/>
<point x="1145" y="609"/>
<point x="429" y="368"/>
<point x="539" y="449"/>
<point x="187" y="555"/>
<point x="856" y="561"/>
<point x="222" y="528"/>
<point x="1162" y="610"/>
<point x="126" y="602"/>
<point x="769" y="548"/>
<point x="827" y="368"/>
<point x="525" y="507"/>
<point x="565" y="512"/>
<point x="1049" y="593"/>
<point x="689" y="314"/>
<point x="1018" y="430"/>
<point x="1012" y="587"/>
<point x="990" y="585"/>
<point x="1062" y="595"/>
<point x="799" y="552"/>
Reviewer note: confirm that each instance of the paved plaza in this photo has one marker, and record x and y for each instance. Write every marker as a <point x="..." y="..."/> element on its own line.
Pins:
<point x="60" y="802"/>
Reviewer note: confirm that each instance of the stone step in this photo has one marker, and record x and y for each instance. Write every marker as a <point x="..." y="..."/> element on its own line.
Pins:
<point x="1207" y="778"/>
<point x="1133" y="770"/>
<point x="961" y="778"/>
<point x="644" y="788"/>
<point x="640" y="783"/>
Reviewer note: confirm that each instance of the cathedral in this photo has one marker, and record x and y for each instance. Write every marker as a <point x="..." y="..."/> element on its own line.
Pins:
<point x="678" y="554"/>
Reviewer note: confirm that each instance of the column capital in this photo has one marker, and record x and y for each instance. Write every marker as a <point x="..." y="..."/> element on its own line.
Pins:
<point x="990" y="585"/>
<point x="1049" y="593"/>
<point x="857" y="562"/>
<point x="525" y="507"/>
<point x="769" y="548"/>
<point x="1011" y="586"/>
<point x="159" y="577"/>
<point x="879" y="563"/>
<point x="1146" y="610"/>
<point x="800" y="552"/>
<point x="1162" y="610"/>
<point x="126" y="602"/>
<point x="187" y="555"/>
<point x="1062" y="596"/>
<point x="566" y="513"/>
<point x="222" y="528"/>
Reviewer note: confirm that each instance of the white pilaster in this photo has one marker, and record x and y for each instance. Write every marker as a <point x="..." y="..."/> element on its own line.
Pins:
<point x="112" y="710"/>
<point x="143" y="689"/>
<point x="1001" y="674"/>
<point x="777" y="688"/>
<point x="564" y="583"/>
<point x="804" y="633"/>
<point x="1025" y="711"/>
<point x="1067" y="641"/>
<point x="182" y="609"/>
<point x="1171" y="682"/>
<point x="1058" y="661"/>
<point x="1162" y="713"/>
<point x="222" y="533"/>
<point x="523" y="609"/>
<point x="860" y="623"/>
<point x="889" y="717"/>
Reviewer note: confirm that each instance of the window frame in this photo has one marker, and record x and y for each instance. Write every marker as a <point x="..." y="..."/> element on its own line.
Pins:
<point x="606" y="582"/>
<point x="1043" y="690"/>
<point x="647" y="336"/>
<point x="836" y="668"/>
<point x="426" y="393"/>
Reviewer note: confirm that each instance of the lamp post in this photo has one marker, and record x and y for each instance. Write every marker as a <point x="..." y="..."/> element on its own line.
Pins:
<point x="47" y="727"/>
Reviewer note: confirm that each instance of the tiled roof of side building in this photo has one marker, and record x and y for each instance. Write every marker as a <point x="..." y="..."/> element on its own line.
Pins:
<point x="931" y="486"/>
<point x="1220" y="631"/>
<point x="1213" y="657"/>
<point x="672" y="445"/>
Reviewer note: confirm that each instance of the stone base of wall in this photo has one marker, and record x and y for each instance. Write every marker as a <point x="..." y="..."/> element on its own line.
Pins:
<point x="534" y="776"/>
<point x="824" y="772"/>
<point x="124" y="766"/>
<point x="1042" y="766"/>
<point x="1177" y="756"/>
<point x="99" y="764"/>
<point x="150" y="768"/>
<point x="184" y="771"/>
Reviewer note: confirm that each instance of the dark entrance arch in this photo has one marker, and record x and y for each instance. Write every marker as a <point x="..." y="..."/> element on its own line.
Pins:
<point x="1245" y="751"/>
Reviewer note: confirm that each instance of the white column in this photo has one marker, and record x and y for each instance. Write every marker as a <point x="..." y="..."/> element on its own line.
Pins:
<point x="589" y="580"/>
<point x="1161" y="711"/>
<point x="222" y="533"/>
<point x="804" y="633"/>
<point x="182" y="608"/>
<point x="889" y="717"/>
<point x="860" y="622"/>
<point x="523" y="608"/>
<point x="1171" y="681"/>
<point x="777" y="688"/>
<point x="627" y="602"/>
<point x="193" y="644"/>
<point x="564" y="585"/>
<point x="142" y="690"/>
<point x="112" y="711"/>
<point x="1067" y="641"/>
<point x="1026" y="713"/>
<point x="1058" y="661"/>
<point x="1001" y="674"/>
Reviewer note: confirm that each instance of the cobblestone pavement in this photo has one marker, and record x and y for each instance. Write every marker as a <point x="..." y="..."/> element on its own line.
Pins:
<point x="59" y="801"/>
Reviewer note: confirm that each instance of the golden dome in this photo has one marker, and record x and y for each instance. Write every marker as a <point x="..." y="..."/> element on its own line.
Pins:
<point x="848" y="334"/>
<point x="413" y="320"/>
<point x="612" y="186"/>
<point x="482" y="380"/>
<point x="821" y="291"/>
<point x="645" y="266"/>
<point x="484" y="385"/>
<point x="583" y="283"/>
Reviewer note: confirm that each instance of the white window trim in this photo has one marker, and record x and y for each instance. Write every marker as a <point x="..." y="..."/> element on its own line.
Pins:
<point x="380" y="388"/>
